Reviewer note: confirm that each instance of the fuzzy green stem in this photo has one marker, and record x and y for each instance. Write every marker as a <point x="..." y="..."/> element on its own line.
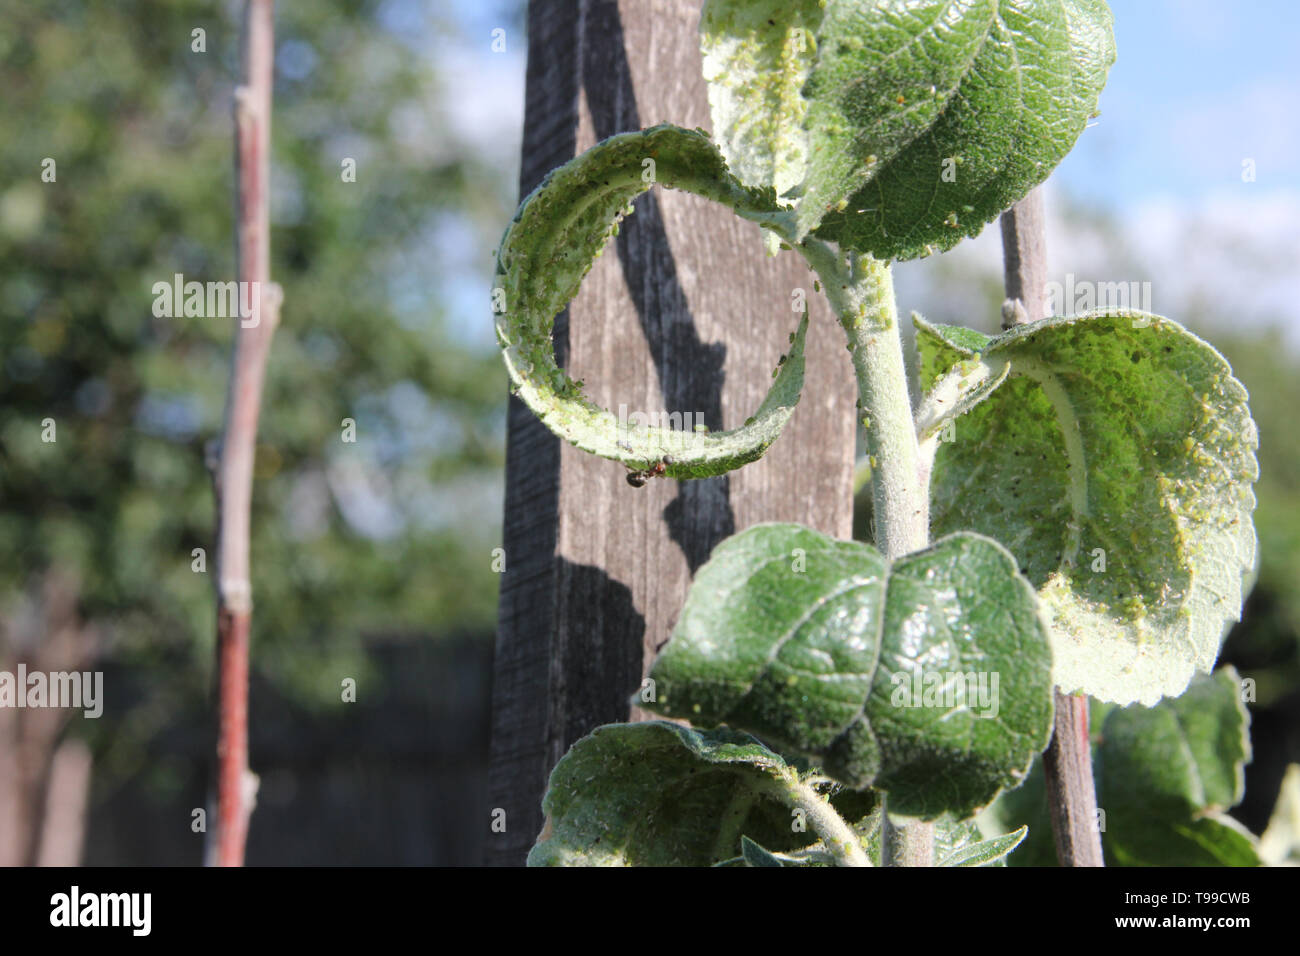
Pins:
<point x="861" y="291"/>
<point x="840" y="839"/>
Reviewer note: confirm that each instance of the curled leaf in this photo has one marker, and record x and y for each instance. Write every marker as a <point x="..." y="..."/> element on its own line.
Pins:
<point x="556" y="235"/>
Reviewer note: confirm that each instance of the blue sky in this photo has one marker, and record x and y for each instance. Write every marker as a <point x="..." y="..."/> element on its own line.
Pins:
<point x="1199" y="86"/>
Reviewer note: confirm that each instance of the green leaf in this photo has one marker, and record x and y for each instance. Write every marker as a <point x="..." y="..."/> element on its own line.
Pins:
<point x="1025" y="806"/>
<point x="885" y="74"/>
<point x="983" y="852"/>
<point x="822" y="648"/>
<point x="556" y="235"/>
<point x="1217" y="840"/>
<point x="659" y="794"/>
<point x="956" y="392"/>
<point x="755" y="855"/>
<point x="1165" y="776"/>
<point x="963" y="340"/>
<point x="1188" y="754"/>
<point x="1169" y="772"/>
<point x="901" y="126"/>
<point x="757" y="56"/>
<point x="1116" y="463"/>
<point x="930" y="118"/>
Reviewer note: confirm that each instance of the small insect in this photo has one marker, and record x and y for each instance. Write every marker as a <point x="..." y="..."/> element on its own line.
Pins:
<point x="637" y="479"/>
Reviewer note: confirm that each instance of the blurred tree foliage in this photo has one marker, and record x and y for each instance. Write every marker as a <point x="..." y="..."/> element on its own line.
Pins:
<point x="390" y="534"/>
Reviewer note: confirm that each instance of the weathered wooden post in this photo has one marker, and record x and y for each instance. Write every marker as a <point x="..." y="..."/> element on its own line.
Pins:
<point x="689" y="316"/>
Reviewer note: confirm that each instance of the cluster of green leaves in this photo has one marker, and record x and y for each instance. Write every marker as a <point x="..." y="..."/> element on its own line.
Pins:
<point x="1095" y="505"/>
<point x="803" y="139"/>
<point x="814" y="645"/>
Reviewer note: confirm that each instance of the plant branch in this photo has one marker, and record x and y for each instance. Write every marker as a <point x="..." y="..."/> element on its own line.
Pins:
<point x="233" y="465"/>
<point x="862" y="294"/>
<point x="861" y="291"/>
<point x="1071" y="793"/>
<point x="838" y="838"/>
<point x="1067" y="762"/>
<point x="905" y="845"/>
<point x="1024" y="254"/>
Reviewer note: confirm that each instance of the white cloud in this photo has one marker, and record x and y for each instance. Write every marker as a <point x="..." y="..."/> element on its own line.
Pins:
<point x="1223" y="261"/>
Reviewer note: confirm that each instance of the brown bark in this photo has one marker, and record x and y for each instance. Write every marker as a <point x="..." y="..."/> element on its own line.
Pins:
<point x="1071" y="793"/>
<point x="1024" y="254"/>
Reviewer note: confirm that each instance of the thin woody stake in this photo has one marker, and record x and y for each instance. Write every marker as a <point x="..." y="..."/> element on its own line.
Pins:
<point x="233" y="465"/>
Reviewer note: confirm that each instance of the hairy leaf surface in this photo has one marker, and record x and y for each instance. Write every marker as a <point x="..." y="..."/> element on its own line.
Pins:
<point x="659" y="794"/>
<point x="1116" y="463"/>
<point x="757" y="56"/>
<point x="556" y="235"/>
<point x="917" y="122"/>
<point x="824" y="648"/>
